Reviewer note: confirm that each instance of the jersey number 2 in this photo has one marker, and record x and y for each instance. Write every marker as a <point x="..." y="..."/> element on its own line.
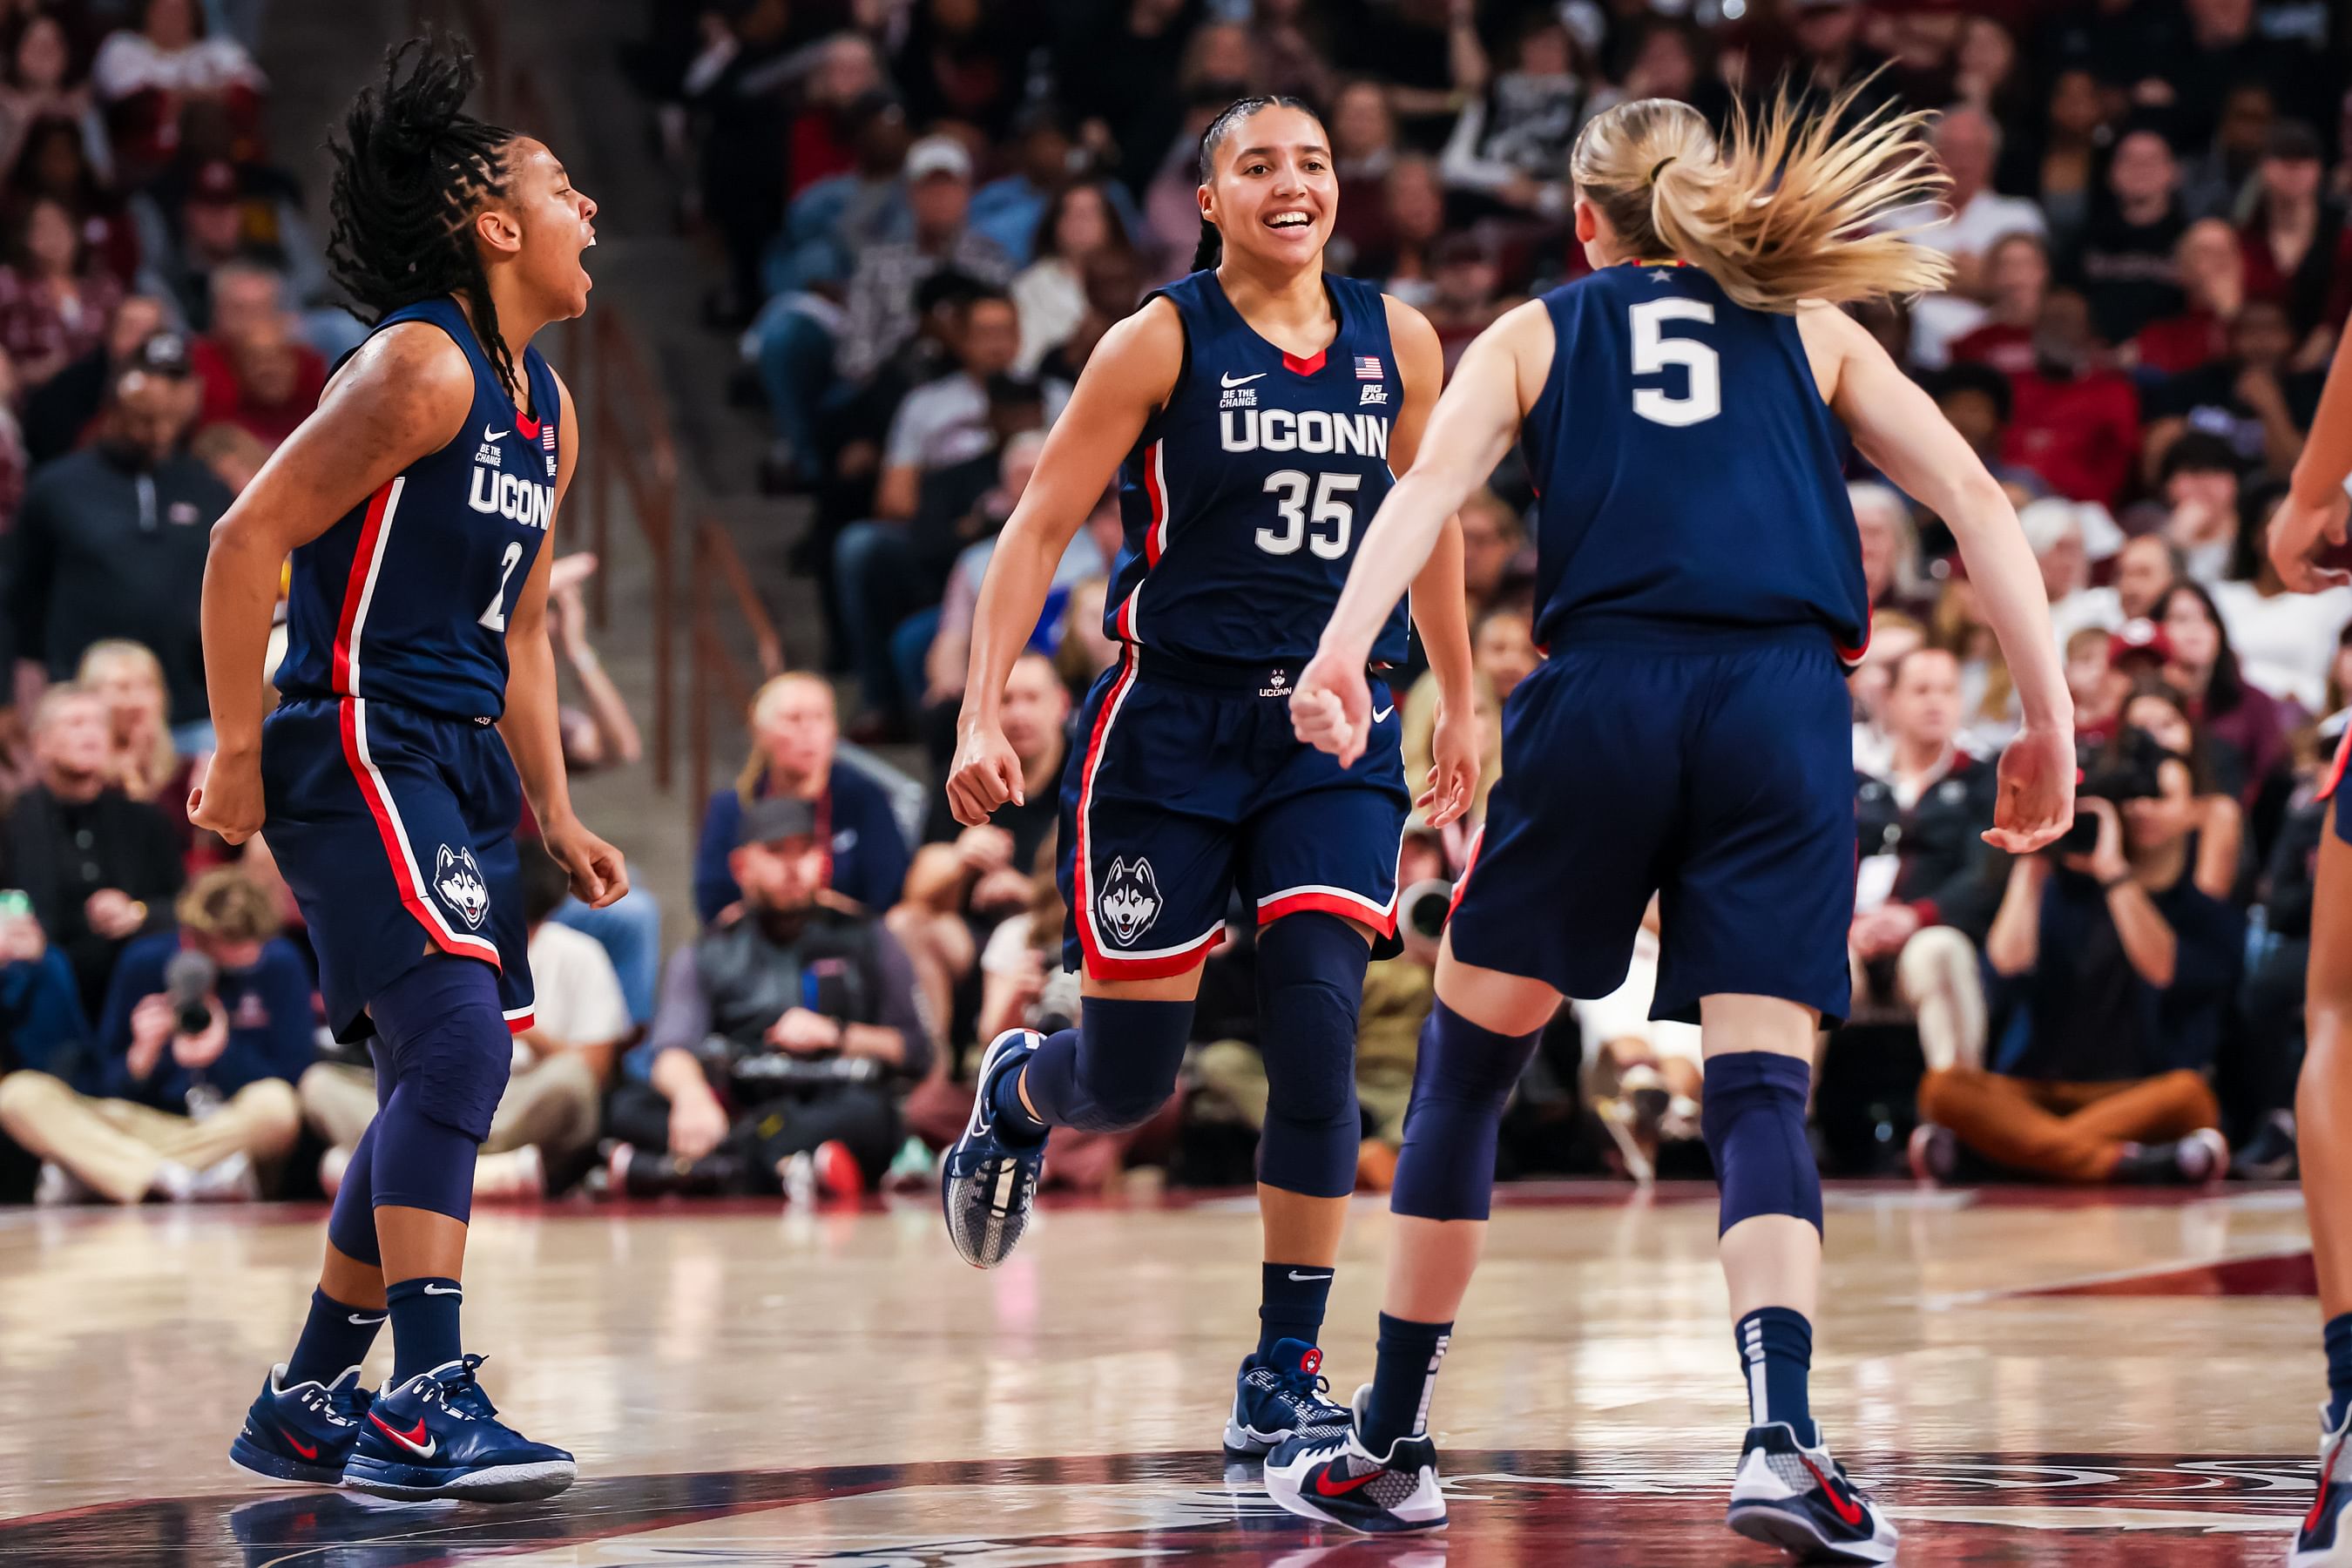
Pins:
<point x="1654" y="352"/>
<point x="1289" y="487"/>
<point x="495" y="618"/>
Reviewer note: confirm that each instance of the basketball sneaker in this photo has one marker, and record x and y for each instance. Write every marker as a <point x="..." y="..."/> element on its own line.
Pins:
<point x="1800" y="1500"/>
<point x="1279" y="1397"/>
<point x="988" y="1181"/>
<point x="1336" y="1480"/>
<point x="301" y="1432"/>
<point x="2322" y="1542"/>
<point x="438" y="1436"/>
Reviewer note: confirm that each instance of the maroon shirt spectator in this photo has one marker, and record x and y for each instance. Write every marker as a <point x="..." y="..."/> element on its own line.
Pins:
<point x="2074" y="421"/>
<point x="2017" y="272"/>
<point x="2298" y="250"/>
<point x="266" y="381"/>
<point x="54" y="161"/>
<point x="53" y="308"/>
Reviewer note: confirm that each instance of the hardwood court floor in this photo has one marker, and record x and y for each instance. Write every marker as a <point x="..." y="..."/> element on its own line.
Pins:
<point x="2026" y="1379"/>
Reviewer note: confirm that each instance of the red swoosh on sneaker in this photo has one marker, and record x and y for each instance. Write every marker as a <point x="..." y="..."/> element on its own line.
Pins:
<point x="2319" y="1503"/>
<point x="1849" y="1513"/>
<point x="1323" y="1487"/>
<point x="299" y="1446"/>
<point x="416" y="1439"/>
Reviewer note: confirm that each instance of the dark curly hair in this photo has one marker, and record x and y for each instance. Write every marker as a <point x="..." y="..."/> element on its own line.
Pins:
<point x="1212" y="248"/>
<point x="411" y="169"/>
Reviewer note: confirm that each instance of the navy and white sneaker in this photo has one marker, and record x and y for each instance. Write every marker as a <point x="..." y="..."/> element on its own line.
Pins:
<point x="989" y="1182"/>
<point x="1800" y="1500"/>
<point x="1280" y="1396"/>
<point x="1337" y="1481"/>
<point x="301" y="1432"/>
<point x="438" y="1435"/>
<point x="2322" y="1543"/>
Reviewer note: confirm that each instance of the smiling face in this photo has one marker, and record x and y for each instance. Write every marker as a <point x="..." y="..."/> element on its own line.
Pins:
<point x="1272" y="194"/>
<point x="542" y="227"/>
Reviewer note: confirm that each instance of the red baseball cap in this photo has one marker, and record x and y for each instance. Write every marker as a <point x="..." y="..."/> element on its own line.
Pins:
<point x="2139" y="639"/>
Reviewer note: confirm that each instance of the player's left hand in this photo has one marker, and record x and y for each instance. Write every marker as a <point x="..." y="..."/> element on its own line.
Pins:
<point x="1455" y="761"/>
<point x="2298" y="533"/>
<point x="2036" y="798"/>
<point x="598" y="876"/>
<point x="1331" y="707"/>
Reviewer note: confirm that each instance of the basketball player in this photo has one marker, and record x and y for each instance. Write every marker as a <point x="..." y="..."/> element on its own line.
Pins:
<point x="2309" y="529"/>
<point x="1252" y="412"/>
<point x="418" y="713"/>
<point x="1685" y="411"/>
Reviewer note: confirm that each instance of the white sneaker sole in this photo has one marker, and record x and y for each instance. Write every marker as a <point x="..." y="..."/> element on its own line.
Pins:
<point x="1795" y="1535"/>
<point x="1282" y="1485"/>
<point x="974" y="1124"/>
<point x="501" y="1483"/>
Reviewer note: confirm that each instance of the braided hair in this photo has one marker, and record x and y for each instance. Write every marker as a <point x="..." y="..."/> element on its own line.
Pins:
<point x="1212" y="248"/>
<point x="411" y="169"/>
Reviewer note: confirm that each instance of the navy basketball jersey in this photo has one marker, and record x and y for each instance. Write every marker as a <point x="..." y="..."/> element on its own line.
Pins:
<point x="1688" y="471"/>
<point x="405" y="598"/>
<point x="1246" y="495"/>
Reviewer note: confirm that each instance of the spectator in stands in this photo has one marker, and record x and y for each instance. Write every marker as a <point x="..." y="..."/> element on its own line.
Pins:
<point x="1022" y="983"/>
<point x="1978" y="401"/>
<point x="1114" y="283"/>
<point x="1009" y="210"/>
<point x="1465" y="294"/>
<point x="1890" y="546"/>
<point x="207" y="232"/>
<point x="232" y="453"/>
<point x="55" y="300"/>
<point x="1893" y="634"/>
<point x="1084" y="649"/>
<point x="141" y="761"/>
<point x="2196" y="505"/>
<point x="204" y="1031"/>
<point x="2125" y="258"/>
<point x="100" y="867"/>
<point x="2016" y="276"/>
<point x="2298" y="248"/>
<point x="2117" y="976"/>
<point x="1414" y="204"/>
<point x="37" y="81"/>
<point x="781" y="1033"/>
<point x="150" y="78"/>
<point x="2073" y="144"/>
<point x="2097" y="686"/>
<point x="547" y="1115"/>
<point x="2255" y="400"/>
<point x="112" y="538"/>
<point x="1079" y="221"/>
<point x="831" y="222"/>
<point x="2215" y="822"/>
<point x="880" y="310"/>
<point x="1494" y="536"/>
<point x="967" y="880"/>
<point x="62" y="408"/>
<point x="2245" y="728"/>
<point x="1510" y="144"/>
<point x="794" y="733"/>
<point x="2146" y="570"/>
<point x="2212" y="270"/>
<point x="255" y="372"/>
<point x="932" y="647"/>
<point x="56" y="162"/>
<point x="2055" y="529"/>
<point x="1363" y="150"/>
<point x="1924" y="896"/>
<point x="2285" y="642"/>
<point x="1988" y="712"/>
<point x="43" y="1028"/>
<point x="1967" y="146"/>
<point x="2075" y="421"/>
<point x="2217" y="181"/>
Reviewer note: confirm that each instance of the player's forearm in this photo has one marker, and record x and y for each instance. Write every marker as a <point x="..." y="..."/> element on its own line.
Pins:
<point x="1395" y="548"/>
<point x="532" y="733"/>
<point x="1012" y="595"/>
<point x="1441" y="611"/>
<point x="2326" y="458"/>
<point x="240" y="592"/>
<point x="2016" y="603"/>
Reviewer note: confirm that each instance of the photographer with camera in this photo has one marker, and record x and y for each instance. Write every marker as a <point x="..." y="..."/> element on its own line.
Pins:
<point x="782" y="1039"/>
<point x="204" y="1031"/>
<point x="2115" y="973"/>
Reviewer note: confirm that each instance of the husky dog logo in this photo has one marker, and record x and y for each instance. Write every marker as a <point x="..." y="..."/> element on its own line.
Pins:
<point x="459" y="882"/>
<point x="1131" y="899"/>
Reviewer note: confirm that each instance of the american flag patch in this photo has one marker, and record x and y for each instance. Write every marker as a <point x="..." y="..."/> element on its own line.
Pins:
<point x="1368" y="368"/>
<point x="547" y="435"/>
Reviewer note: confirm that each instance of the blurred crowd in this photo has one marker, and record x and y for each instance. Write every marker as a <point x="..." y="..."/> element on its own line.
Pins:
<point x="921" y="215"/>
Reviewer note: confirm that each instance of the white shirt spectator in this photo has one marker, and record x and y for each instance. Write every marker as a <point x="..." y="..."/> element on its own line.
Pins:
<point x="1052" y="300"/>
<point x="2085" y="607"/>
<point x="577" y="994"/>
<point x="1937" y="321"/>
<point x="128" y="62"/>
<point x="945" y="422"/>
<point x="2285" y="642"/>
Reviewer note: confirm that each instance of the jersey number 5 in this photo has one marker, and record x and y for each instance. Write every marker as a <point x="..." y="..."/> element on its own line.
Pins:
<point x="495" y="618"/>
<point x="1334" y="519"/>
<point x="1653" y="353"/>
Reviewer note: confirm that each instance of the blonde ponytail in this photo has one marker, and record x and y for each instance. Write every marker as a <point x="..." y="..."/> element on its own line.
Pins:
<point x="1780" y="211"/>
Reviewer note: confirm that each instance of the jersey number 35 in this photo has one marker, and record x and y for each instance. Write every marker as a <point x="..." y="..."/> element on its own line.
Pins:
<point x="1326" y="528"/>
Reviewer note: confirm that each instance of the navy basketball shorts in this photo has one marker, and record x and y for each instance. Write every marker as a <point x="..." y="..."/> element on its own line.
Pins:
<point x="1187" y="785"/>
<point x="396" y="829"/>
<point x="1717" y="774"/>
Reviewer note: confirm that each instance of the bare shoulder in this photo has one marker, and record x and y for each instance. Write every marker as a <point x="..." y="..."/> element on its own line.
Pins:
<point x="1832" y="340"/>
<point x="412" y="374"/>
<point x="1142" y="355"/>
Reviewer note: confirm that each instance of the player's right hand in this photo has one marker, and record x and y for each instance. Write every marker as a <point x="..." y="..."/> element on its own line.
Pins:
<point x="1331" y="706"/>
<point x="227" y="799"/>
<point x="2036" y="800"/>
<point x="2298" y="533"/>
<point x="984" y="775"/>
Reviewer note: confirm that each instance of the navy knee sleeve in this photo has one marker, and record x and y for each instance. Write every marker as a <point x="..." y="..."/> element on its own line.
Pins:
<point x="447" y="1042"/>
<point x="1114" y="1070"/>
<point x="1310" y="994"/>
<point x="1461" y="1081"/>
<point x="421" y="1162"/>
<point x="1753" y="1117"/>
<point x="351" y="1224"/>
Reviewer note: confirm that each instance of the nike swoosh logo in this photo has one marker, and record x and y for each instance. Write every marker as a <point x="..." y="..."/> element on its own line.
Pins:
<point x="365" y="1322"/>
<point x="1239" y="380"/>
<point x="1323" y="1487"/>
<point x="437" y="1291"/>
<point x="1382" y="717"/>
<point x="1295" y="1274"/>
<point x="490" y="435"/>
<point x="300" y="1447"/>
<point x="1849" y="1513"/>
<point x="416" y="1442"/>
